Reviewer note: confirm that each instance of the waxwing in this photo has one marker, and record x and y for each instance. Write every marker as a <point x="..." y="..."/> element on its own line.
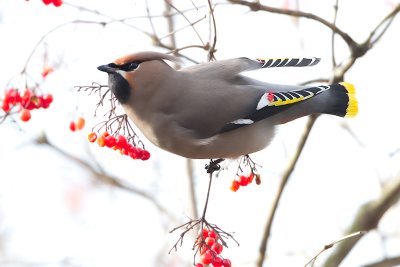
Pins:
<point x="211" y="110"/>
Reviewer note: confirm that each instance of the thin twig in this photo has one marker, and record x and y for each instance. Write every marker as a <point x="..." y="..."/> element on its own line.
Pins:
<point x="331" y="245"/>
<point x="211" y="50"/>
<point x="187" y="19"/>
<point x="107" y="179"/>
<point x="336" y="9"/>
<point x="367" y="218"/>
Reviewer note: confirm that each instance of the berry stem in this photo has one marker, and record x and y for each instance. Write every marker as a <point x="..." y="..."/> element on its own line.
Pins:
<point x="208" y="196"/>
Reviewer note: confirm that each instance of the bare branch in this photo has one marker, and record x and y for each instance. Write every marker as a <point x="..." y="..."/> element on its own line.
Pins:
<point x="388" y="262"/>
<point x="331" y="245"/>
<point x="211" y="49"/>
<point x="385" y="23"/>
<point x="285" y="178"/>
<point x="256" y="6"/>
<point x="336" y="9"/>
<point x="107" y="179"/>
<point x="187" y="19"/>
<point x="172" y="32"/>
<point x="367" y="219"/>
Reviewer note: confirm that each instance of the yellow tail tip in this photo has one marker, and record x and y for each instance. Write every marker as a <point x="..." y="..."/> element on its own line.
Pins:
<point x="352" y="107"/>
<point x="349" y="87"/>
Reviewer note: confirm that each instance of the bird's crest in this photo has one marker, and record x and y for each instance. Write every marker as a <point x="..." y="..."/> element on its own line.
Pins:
<point x="145" y="56"/>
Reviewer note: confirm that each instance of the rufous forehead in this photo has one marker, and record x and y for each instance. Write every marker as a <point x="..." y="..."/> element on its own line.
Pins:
<point x="125" y="59"/>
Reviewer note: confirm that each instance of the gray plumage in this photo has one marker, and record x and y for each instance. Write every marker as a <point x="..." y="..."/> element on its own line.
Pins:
<point x="210" y="110"/>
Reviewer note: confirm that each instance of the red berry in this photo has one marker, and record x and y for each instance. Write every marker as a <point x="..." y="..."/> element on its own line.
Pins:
<point x="212" y="234"/>
<point x="101" y="141"/>
<point x="124" y="151"/>
<point x="57" y="3"/>
<point x="243" y="180"/>
<point x="217" y="248"/>
<point x="80" y="123"/>
<point x="25" y="115"/>
<point x="235" y="186"/>
<point x="5" y="105"/>
<point x="207" y="257"/>
<point x="133" y="153"/>
<point x="92" y="137"/>
<point x="47" y="99"/>
<point x="121" y="141"/>
<point x="46" y="2"/>
<point x="13" y="96"/>
<point x="199" y="265"/>
<point x="226" y="263"/>
<point x="145" y="155"/>
<point x="109" y="141"/>
<point x="72" y="126"/>
<point x="204" y="233"/>
<point x="210" y="241"/>
<point x="217" y="262"/>
<point x="26" y="97"/>
<point x="250" y="178"/>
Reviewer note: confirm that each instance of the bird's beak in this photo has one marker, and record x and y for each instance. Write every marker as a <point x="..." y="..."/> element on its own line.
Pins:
<point x="106" y="68"/>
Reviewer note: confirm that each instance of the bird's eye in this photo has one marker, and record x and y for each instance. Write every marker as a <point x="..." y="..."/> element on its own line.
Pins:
<point x="132" y="66"/>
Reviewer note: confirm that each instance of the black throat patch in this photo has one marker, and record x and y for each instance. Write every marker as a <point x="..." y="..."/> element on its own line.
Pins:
<point x="119" y="86"/>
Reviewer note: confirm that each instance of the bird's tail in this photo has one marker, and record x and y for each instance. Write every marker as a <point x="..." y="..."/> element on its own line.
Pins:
<point x="284" y="106"/>
<point x="344" y="102"/>
<point x="336" y="99"/>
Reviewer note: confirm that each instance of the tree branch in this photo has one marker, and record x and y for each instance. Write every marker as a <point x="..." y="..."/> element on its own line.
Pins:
<point x="107" y="179"/>
<point x="285" y="178"/>
<point x="388" y="262"/>
<point x="367" y="219"/>
<point x="256" y="6"/>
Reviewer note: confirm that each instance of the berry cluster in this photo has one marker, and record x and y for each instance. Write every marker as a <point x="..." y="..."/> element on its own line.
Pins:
<point x="121" y="144"/>
<point x="244" y="180"/>
<point x="210" y="249"/>
<point x="25" y="102"/>
<point x="56" y="3"/>
<point x="77" y="124"/>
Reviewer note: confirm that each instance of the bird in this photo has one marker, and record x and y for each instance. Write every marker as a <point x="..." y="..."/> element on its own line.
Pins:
<point x="212" y="110"/>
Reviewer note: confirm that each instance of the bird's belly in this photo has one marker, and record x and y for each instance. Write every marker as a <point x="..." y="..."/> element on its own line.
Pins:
<point x="167" y="135"/>
<point x="233" y="144"/>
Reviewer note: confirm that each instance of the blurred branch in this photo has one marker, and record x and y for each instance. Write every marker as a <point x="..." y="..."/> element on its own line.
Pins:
<point x="211" y="49"/>
<point x="189" y="162"/>
<point x="377" y="33"/>
<point x="285" y="178"/>
<point x="169" y="2"/>
<point x="192" y="192"/>
<point x="388" y="262"/>
<point x="359" y="50"/>
<point x="107" y="179"/>
<point x="336" y="9"/>
<point x="367" y="218"/>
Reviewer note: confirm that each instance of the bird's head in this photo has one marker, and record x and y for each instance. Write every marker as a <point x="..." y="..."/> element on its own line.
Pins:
<point x="125" y="72"/>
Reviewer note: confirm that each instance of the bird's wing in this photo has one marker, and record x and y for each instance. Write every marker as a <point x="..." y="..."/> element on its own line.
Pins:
<point x="339" y="101"/>
<point x="229" y="68"/>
